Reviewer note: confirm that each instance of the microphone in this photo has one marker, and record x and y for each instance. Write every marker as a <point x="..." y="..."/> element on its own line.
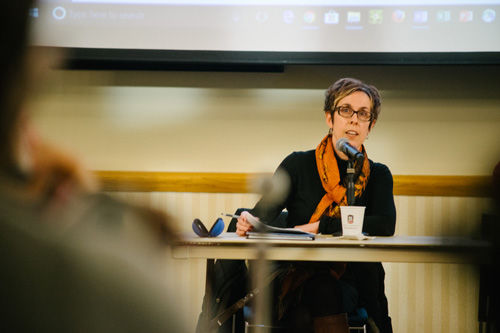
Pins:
<point x="343" y="145"/>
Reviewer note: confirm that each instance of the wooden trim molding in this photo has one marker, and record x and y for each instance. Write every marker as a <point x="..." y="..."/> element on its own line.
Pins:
<point x="446" y="186"/>
<point x="210" y="182"/>
<point x="214" y="182"/>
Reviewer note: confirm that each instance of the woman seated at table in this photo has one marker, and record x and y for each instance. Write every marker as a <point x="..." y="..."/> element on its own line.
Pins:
<point x="314" y="296"/>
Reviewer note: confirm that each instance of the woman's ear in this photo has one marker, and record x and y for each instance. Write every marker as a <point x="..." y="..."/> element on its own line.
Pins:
<point x="329" y="119"/>
<point x="372" y="124"/>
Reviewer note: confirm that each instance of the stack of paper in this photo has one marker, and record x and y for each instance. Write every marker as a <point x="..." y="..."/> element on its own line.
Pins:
<point x="264" y="231"/>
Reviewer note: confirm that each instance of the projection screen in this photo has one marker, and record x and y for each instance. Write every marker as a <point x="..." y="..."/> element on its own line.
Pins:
<point x="279" y="28"/>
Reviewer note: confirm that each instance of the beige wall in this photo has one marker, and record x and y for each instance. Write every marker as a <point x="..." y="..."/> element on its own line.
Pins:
<point x="435" y="120"/>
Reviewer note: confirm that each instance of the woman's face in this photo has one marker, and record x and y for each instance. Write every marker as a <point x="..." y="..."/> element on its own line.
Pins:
<point x="352" y="129"/>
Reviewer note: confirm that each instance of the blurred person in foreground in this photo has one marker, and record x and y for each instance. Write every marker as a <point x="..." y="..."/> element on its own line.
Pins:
<point x="315" y="296"/>
<point x="72" y="260"/>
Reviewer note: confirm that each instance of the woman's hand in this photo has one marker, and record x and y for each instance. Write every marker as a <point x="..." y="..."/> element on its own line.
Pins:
<point x="309" y="227"/>
<point x="243" y="226"/>
<point x="54" y="175"/>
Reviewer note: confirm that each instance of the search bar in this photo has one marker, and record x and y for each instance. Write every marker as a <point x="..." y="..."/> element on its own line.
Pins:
<point x="373" y="3"/>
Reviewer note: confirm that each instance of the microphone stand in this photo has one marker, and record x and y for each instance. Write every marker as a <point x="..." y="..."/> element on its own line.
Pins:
<point x="350" y="182"/>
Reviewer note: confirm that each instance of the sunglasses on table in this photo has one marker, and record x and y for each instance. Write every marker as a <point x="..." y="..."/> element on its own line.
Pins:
<point x="202" y="231"/>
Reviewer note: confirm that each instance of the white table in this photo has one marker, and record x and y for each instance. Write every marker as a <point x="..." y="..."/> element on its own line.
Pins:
<point x="408" y="249"/>
<point x="403" y="249"/>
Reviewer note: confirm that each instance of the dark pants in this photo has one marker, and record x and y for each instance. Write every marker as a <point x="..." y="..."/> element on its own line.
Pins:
<point x="321" y="294"/>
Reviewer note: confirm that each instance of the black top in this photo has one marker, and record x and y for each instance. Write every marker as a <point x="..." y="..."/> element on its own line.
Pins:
<point x="306" y="192"/>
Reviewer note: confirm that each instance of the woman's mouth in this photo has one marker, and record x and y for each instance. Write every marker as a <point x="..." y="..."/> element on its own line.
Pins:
<point x="351" y="133"/>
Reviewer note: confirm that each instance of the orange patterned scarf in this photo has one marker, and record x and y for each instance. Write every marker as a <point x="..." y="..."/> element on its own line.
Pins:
<point x="330" y="179"/>
<point x="329" y="205"/>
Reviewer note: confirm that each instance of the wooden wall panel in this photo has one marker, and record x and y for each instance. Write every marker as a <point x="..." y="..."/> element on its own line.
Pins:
<point x="434" y="298"/>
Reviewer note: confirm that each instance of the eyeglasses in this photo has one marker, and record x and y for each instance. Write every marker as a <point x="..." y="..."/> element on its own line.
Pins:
<point x="347" y="112"/>
<point x="202" y="231"/>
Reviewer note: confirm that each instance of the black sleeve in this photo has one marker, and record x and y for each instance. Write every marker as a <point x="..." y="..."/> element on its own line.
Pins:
<point x="269" y="207"/>
<point x="380" y="215"/>
<point x="329" y="225"/>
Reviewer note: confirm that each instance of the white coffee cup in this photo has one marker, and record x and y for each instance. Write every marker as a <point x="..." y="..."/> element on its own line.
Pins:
<point x="352" y="220"/>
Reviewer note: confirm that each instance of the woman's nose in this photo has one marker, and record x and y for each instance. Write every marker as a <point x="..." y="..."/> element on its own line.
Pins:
<point x="354" y="120"/>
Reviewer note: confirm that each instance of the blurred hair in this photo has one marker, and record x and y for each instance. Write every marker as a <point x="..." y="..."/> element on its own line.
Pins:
<point x="346" y="86"/>
<point x="14" y="32"/>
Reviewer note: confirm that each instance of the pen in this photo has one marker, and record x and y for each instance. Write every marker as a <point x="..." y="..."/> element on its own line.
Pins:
<point x="231" y="215"/>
